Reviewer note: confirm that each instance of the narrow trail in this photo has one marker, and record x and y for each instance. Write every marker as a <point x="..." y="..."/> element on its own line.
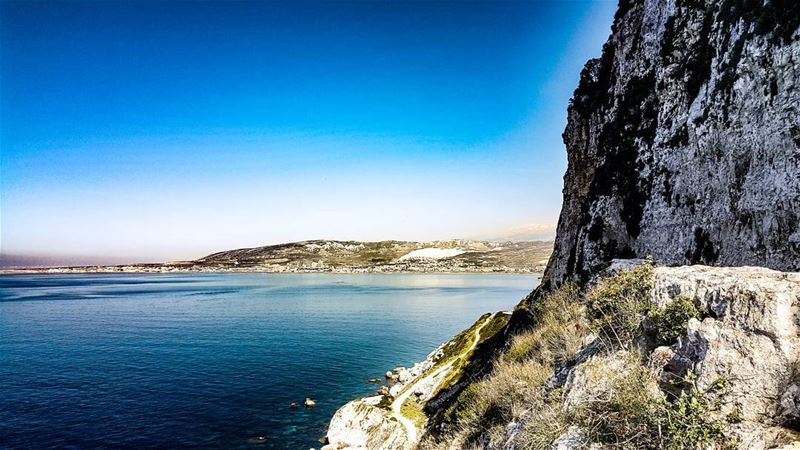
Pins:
<point x="397" y="404"/>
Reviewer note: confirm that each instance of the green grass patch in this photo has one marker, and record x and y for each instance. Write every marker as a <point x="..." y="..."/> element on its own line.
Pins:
<point x="495" y="324"/>
<point x="413" y="410"/>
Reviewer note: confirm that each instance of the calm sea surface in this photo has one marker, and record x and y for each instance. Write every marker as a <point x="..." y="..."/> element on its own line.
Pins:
<point x="211" y="360"/>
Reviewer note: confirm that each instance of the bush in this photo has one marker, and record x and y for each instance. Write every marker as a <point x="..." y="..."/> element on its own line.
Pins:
<point x="670" y="321"/>
<point x="618" y="303"/>
<point x="687" y="422"/>
<point x="633" y="418"/>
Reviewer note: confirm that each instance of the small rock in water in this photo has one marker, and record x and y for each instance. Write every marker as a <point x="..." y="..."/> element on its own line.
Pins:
<point x="374" y="380"/>
<point x="257" y="440"/>
<point x="309" y="402"/>
<point x="293" y="405"/>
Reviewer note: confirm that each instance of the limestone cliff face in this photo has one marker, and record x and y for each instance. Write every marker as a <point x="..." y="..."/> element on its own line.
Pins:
<point x="683" y="139"/>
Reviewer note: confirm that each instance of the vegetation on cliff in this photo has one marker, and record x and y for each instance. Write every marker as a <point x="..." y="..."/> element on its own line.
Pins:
<point x="594" y="369"/>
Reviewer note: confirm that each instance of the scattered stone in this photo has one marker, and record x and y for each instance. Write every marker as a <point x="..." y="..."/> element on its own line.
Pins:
<point x="374" y="380"/>
<point x="309" y="402"/>
<point x="395" y="390"/>
<point x="293" y="405"/>
<point x="572" y="439"/>
<point x="404" y="375"/>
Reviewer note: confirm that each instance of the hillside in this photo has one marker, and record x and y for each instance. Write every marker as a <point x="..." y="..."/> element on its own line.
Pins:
<point x="456" y="255"/>
<point x="357" y="257"/>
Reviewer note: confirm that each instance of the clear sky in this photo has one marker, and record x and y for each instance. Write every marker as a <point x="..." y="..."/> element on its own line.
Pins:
<point x="147" y="131"/>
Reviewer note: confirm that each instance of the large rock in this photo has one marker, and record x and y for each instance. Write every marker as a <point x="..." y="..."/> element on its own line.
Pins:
<point x="683" y="140"/>
<point x="364" y="424"/>
<point x="749" y="339"/>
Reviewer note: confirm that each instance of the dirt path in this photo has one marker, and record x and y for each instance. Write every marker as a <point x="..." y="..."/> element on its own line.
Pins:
<point x="397" y="404"/>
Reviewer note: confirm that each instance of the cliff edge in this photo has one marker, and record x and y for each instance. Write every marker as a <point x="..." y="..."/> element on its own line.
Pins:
<point x="683" y="140"/>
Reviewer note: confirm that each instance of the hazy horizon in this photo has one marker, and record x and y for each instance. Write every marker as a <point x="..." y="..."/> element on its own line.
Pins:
<point x="11" y="260"/>
<point x="165" y="131"/>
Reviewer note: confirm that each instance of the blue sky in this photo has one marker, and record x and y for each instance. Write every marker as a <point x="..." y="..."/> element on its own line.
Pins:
<point x="150" y="131"/>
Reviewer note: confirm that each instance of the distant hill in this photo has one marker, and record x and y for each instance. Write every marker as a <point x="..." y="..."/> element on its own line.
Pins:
<point x="357" y="257"/>
<point x="455" y="255"/>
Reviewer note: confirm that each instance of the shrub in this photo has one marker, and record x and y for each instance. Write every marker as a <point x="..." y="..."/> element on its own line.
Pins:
<point x="670" y="321"/>
<point x="633" y="418"/>
<point x="687" y="423"/>
<point x="618" y="303"/>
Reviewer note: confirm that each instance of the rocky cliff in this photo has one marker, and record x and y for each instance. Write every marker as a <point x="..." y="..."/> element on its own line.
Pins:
<point x="683" y="139"/>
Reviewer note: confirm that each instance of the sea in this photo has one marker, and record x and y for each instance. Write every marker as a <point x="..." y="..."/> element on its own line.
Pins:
<point x="213" y="360"/>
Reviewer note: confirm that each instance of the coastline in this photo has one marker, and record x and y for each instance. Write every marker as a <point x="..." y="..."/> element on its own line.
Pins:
<point x="338" y="257"/>
<point x="333" y="271"/>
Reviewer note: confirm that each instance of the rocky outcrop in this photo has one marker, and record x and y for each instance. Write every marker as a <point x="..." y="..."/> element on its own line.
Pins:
<point x="683" y="140"/>
<point x="749" y="337"/>
<point x="370" y="423"/>
<point x="366" y="424"/>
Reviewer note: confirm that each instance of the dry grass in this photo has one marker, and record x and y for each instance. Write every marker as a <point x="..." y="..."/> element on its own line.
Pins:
<point x="542" y="426"/>
<point x="618" y="303"/>
<point x="560" y="330"/>
<point x="516" y="386"/>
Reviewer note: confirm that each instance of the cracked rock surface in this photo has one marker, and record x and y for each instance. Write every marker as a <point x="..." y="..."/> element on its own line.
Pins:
<point x="683" y="140"/>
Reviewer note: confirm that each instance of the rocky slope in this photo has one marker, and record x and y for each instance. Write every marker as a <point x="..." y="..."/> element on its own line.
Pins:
<point x="394" y="417"/>
<point x="669" y="357"/>
<point x="679" y="358"/>
<point x="683" y="139"/>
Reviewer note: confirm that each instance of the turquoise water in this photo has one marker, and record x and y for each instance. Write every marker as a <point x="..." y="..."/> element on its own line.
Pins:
<point x="211" y="360"/>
